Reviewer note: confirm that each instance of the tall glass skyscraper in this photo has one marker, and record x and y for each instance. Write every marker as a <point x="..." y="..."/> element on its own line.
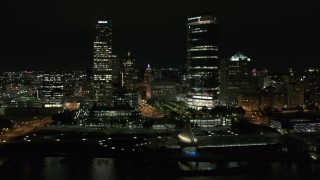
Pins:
<point x="102" y="60"/>
<point x="202" y="61"/>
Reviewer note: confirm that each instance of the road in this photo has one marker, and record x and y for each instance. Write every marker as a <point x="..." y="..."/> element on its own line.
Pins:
<point x="149" y="111"/>
<point x="257" y="118"/>
<point x="28" y="127"/>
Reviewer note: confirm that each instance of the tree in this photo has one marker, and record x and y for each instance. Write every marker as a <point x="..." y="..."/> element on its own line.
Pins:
<point x="192" y="112"/>
<point x="135" y="117"/>
<point x="148" y="122"/>
<point x="221" y="111"/>
<point x="240" y="110"/>
<point x="150" y="101"/>
<point x="204" y="109"/>
<point x="175" y="118"/>
<point x="66" y="117"/>
<point x="6" y="123"/>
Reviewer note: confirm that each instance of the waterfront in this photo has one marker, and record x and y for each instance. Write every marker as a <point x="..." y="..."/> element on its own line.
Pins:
<point x="143" y="143"/>
<point x="52" y="168"/>
<point x="90" y="153"/>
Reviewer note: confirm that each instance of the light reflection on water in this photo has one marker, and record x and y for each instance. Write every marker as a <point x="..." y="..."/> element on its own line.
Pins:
<point x="60" y="168"/>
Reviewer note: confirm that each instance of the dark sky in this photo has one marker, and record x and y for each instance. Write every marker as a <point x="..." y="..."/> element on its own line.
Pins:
<point x="57" y="34"/>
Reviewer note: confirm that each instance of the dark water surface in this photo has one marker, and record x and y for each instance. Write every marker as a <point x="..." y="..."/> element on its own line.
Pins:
<point x="61" y="168"/>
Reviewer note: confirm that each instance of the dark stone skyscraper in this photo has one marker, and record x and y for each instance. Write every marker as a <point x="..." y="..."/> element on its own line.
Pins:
<point x="202" y="61"/>
<point x="129" y="65"/>
<point x="235" y="79"/>
<point x="312" y="86"/>
<point x="102" y="60"/>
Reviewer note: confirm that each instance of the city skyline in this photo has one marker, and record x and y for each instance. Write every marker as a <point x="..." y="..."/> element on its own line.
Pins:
<point x="92" y="90"/>
<point x="41" y="36"/>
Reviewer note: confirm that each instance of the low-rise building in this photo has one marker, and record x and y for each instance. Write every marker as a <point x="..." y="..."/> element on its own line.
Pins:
<point x="106" y="115"/>
<point x="249" y="102"/>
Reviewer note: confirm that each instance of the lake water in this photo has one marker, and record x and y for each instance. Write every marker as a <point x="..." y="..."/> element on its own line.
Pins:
<point x="61" y="168"/>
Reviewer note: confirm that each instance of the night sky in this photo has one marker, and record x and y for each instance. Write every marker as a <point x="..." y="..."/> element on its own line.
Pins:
<point x="49" y="35"/>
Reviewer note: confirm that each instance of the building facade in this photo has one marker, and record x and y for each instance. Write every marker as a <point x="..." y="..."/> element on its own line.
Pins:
<point x="202" y="61"/>
<point x="125" y="97"/>
<point x="52" y="89"/>
<point x="162" y="90"/>
<point x="235" y="78"/>
<point x="108" y="115"/>
<point x="295" y="95"/>
<point x="249" y="102"/>
<point x="128" y="74"/>
<point x="148" y="74"/>
<point x="102" y="60"/>
<point x="312" y="86"/>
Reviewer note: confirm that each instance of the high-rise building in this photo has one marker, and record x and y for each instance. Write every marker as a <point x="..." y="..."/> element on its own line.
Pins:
<point x="128" y="75"/>
<point x="147" y="78"/>
<point x="312" y="85"/>
<point x="52" y="90"/>
<point x="235" y="79"/>
<point x="116" y="69"/>
<point x="202" y="61"/>
<point x="170" y="74"/>
<point x="295" y="95"/>
<point x="148" y="74"/>
<point x="102" y="60"/>
<point x="125" y="97"/>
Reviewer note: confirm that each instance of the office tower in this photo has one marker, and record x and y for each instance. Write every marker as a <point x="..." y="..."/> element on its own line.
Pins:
<point x="171" y="74"/>
<point x="157" y="74"/>
<point x="312" y="86"/>
<point x="163" y="90"/>
<point x="202" y="61"/>
<point x="125" y="97"/>
<point x="235" y="79"/>
<point x="147" y="78"/>
<point x="52" y="90"/>
<point x="295" y="95"/>
<point x="102" y="60"/>
<point x="128" y="75"/>
<point x="116" y="69"/>
<point x="148" y="74"/>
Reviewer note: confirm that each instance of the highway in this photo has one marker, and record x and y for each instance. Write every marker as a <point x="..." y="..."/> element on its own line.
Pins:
<point x="27" y="127"/>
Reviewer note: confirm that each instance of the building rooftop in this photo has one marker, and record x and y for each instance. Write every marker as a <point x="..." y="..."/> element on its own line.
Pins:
<point x="111" y="108"/>
<point x="239" y="56"/>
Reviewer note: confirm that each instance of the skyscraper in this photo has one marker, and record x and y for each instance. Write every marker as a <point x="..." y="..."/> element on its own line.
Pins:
<point x="235" y="78"/>
<point x="312" y="85"/>
<point x="202" y="61"/>
<point x="102" y="60"/>
<point x="146" y="81"/>
<point x="52" y="90"/>
<point x="128" y="70"/>
<point x="148" y="74"/>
